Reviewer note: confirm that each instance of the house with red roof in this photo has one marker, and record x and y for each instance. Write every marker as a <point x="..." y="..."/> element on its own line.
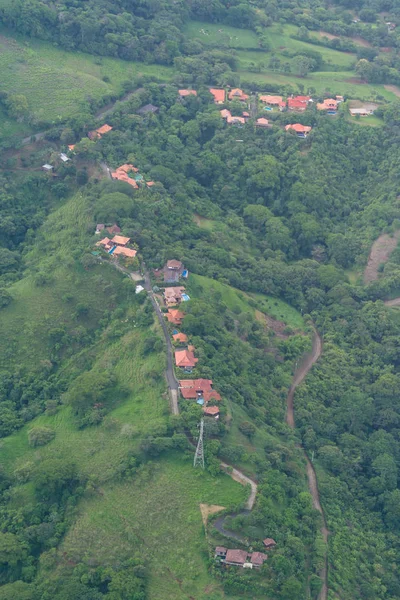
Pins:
<point x="122" y="174"/>
<point x="211" y="411"/>
<point x="120" y="240"/>
<point x="182" y="338"/>
<point x="240" y="558"/>
<point x="238" y="94"/>
<point x="219" y="95"/>
<point x="198" y="389"/>
<point x="113" y="229"/>
<point x="173" y="295"/>
<point x="257" y="559"/>
<point x="175" y="316"/>
<point x="105" y="243"/>
<point x="186" y="93"/>
<point x="98" y="133"/>
<point x="128" y="252"/>
<point x="329" y="104"/>
<point x="269" y="543"/>
<point x="261" y="122"/>
<point x="301" y="130"/>
<point x="298" y="103"/>
<point x="276" y="101"/>
<point x="185" y="359"/>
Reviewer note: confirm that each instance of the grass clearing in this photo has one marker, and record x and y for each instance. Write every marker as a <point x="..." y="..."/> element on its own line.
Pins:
<point x="55" y="81"/>
<point x="158" y="516"/>
<point x="280" y="310"/>
<point x="223" y="35"/>
<point x="234" y="299"/>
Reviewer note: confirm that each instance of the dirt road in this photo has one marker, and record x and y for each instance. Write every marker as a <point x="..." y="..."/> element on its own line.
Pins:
<point x="394" y="302"/>
<point x="380" y="252"/>
<point x="298" y="377"/>
<point x="244" y="480"/>
<point x="300" y="374"/>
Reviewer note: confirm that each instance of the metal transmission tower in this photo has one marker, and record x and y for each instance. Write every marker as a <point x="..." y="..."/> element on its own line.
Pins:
<point x="199" y="456"/>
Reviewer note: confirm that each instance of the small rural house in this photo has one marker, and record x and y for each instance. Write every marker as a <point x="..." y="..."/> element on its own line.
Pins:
<point x="219" y="95"/>
<point x="120" y="240"/>
<point x="64" y="157"/>
<point x="329" y="104"/>
<point x="139" y="289"/>
<point x="106" y="244"/>
<point x="363" y="112"/>
<point x="195" y="389"/>
<point x="276" y="101"/>
<point x="238" y="94"/>
<point x="48" y="168"/>
<point x="298" y="103"/>
<point x="261" y="122"/>
<point x="173" y="295"/>
<point x="211" y="411"/>
<point x="98" y="133"/>
<point x="269" y="543"/>
<point x="185" y="359"/>
<point x="225" y="114"/>
<point x="71" y="147"/>
<point x="182" y="338"/>
<point x="186" y="93"/>
<point x="240" y="558"/>
<point x="113" y="229"/>
<point x="301" y="130"/>
<point x="122" y="174"/>
<point x="99" y="228"/>
<point x="175" y="316"/>
<point x="173" y="271"/>
<point x="128" y="252"/>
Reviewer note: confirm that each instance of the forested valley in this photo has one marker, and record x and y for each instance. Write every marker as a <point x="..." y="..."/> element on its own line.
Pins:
<point x="99" y="498"/>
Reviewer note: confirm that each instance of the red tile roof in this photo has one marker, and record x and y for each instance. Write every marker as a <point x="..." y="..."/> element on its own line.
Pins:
<point x="198" y="384"/>
<point x="263" y="122"/>
<point x="104" y="129"/>
<point x="258" y="558"/>
<point x="71" y="147"/>
<point x="120" y="240"/>
<point x="104" y="242"/>
<point x="219" y="95"/>
<point x="245" y="114"/>
<point x="211" y="411"/>
<point x="185" y="358"/>
<point x="113" y="229"/>
<point x="274" y="100"/>
<point x="225" y="113"/>
<point x="268" y="542"/>
<point x="175" y="316"/>
<point x="180" y="337"/>
<point x="150" y="183"/>
<point x="327" y="104"/>
<point x="174" y="264"/>
<point x="184" y="93"/>
<point x="298" y="128"/>
<point x="232" y="120"/>
<point x="297" y="103"/>
<point x="129" y="252"/>
<point x="237" y="94"/>
<point x="236" y="556"/>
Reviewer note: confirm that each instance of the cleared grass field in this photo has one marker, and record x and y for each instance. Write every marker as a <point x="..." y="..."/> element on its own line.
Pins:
<point x="55" y="81"/>
<point x="279" y="310"/>
<point x="157" y="516"/>
<point x="213" y="33"/>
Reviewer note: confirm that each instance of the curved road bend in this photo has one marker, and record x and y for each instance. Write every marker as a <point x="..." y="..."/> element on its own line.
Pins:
<point x="394" y="302"/>
<point x="169" y="373"/>
<point x="298" y="378"/>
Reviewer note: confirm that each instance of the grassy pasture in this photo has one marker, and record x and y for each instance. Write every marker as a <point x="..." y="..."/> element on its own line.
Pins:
<point x="55" y="81"/>
<point x="214" y="33"/>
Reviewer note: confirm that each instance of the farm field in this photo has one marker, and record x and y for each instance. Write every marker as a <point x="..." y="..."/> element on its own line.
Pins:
<point x="216" y="33"/>
<point x="55" y="81"/>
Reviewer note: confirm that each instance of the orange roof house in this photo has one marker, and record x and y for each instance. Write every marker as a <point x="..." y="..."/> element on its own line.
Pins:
<point x="122" y="174"/>
<point x="261" y="122"/>
<point x="71" y="147"/>
<point x="120" y="240"/>
<point x="192" y="389"/>
<point x="185" y="358"/>
<point x="106" y="243"/>
<point x="99" y="132"/>
<point x="225" y="113"/>
<point x="180" y="337"/>
<point x="257" y="559"/>
<point x="298" y="103"/>
<point x="175" y="316"/>
<point x="113" y="229"/>
<point x="128" y="252"/>
<point x="236" y="557"/>
<point x="150" y="183"/>
<point x="271" y="100"/>
<point x="211" y="411"/>
<point x="173" y="295"/>
<point x="235" y="120"/>
<point x="269" y="543"/>
<point x="185" y="93"/>
<point x="328" y="104"/>
<point x="237" y="94"/>
<point x="219" y="95"/>
<point x="301" y="130"/>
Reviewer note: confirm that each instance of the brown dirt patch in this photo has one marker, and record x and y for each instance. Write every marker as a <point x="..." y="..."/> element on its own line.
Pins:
<point x="207" y="510"/>
<point x="278" y="327"/>
<point x="330" y="36"/>
<point x="380" y="252"/>
<point x="394" y="89"/>
<point x="355" y="80"/>
<point x="361" y="42"/>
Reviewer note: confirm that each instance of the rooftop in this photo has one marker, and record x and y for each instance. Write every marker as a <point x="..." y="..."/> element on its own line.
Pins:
<point x="129" y="252"/>
<point x="236" y="556"/>
<point x="219" y="95"/>
<point x="185" y="358"/>
<point x="184" y="93"/>
<point x="120" y="240"/>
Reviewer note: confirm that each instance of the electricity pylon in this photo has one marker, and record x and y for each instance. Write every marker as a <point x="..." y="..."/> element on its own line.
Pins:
<point x="199" y="456"/>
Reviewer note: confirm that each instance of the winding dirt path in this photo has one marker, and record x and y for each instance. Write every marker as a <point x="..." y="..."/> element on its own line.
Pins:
<point x="394" y="302"/>
<point x="299" y="376"/>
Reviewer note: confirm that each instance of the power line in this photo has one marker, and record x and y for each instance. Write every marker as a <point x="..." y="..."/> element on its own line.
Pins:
<point x="199" y="455"/>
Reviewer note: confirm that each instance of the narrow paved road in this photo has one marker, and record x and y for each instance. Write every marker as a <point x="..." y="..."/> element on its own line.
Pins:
<point x="169" y="373"/>
<point x="298" y="377"/>
<point x="243" y="479"/>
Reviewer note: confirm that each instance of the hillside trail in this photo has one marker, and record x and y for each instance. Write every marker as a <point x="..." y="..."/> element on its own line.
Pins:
<point x="298" y="377"/>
